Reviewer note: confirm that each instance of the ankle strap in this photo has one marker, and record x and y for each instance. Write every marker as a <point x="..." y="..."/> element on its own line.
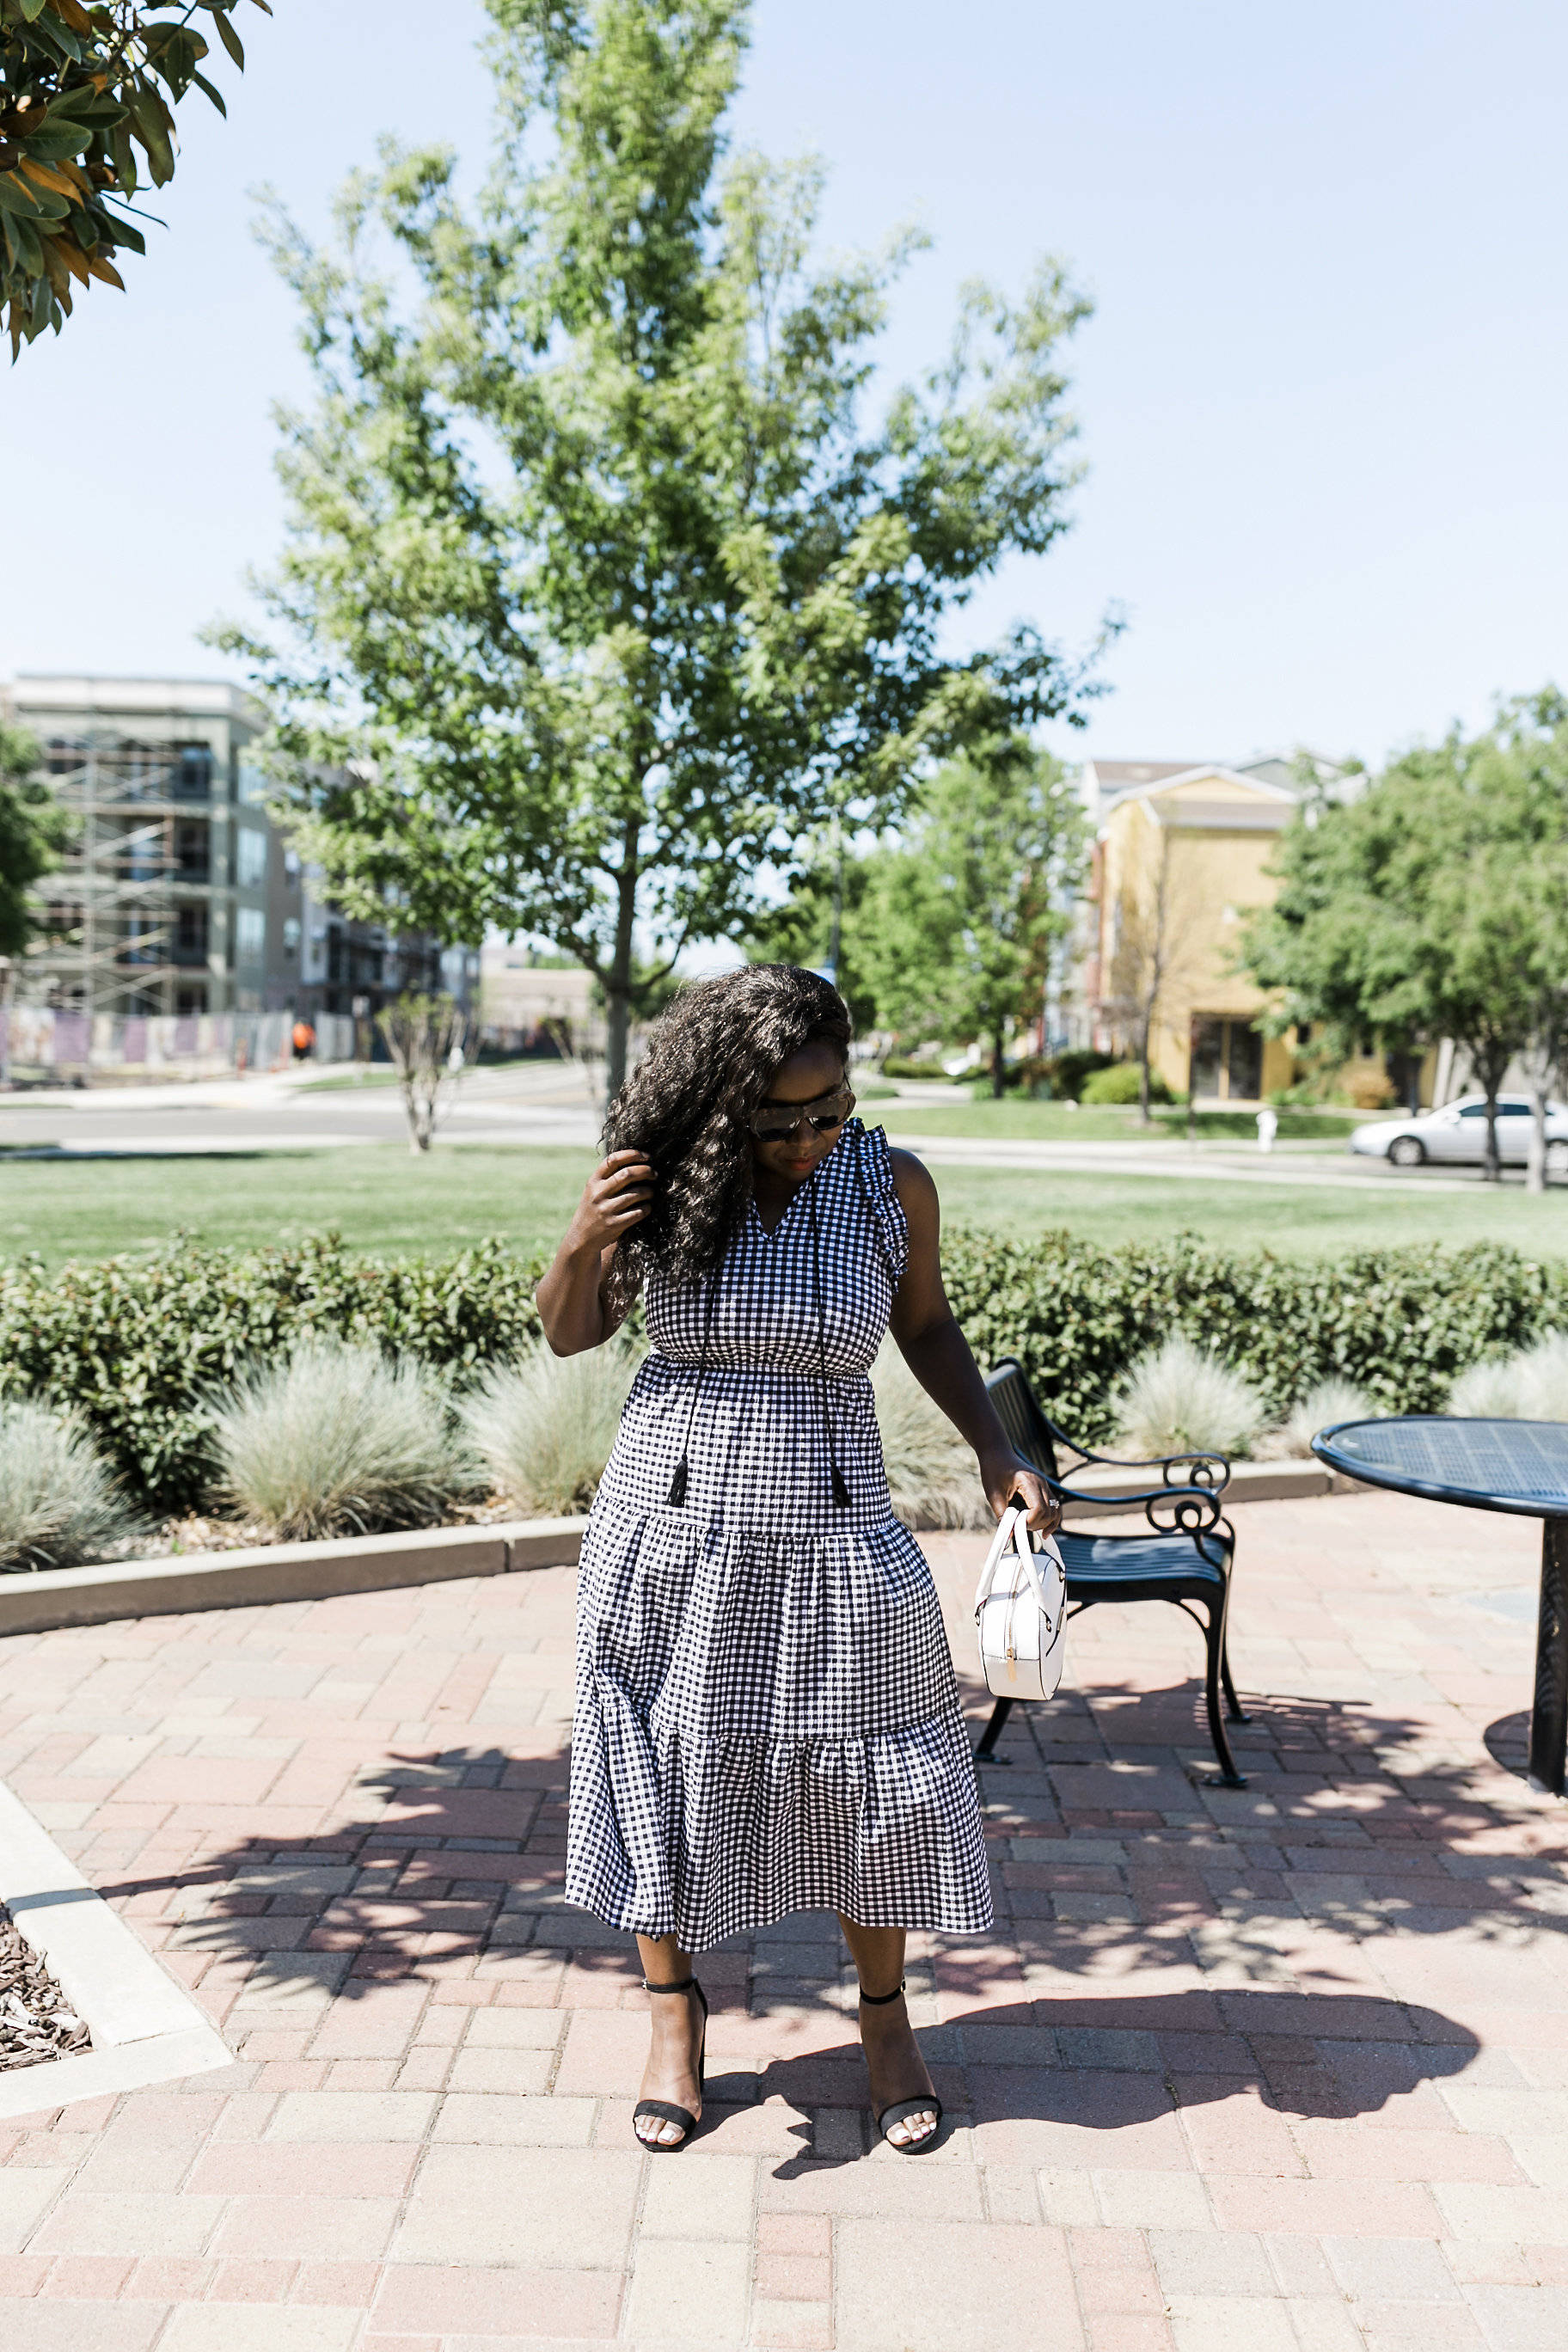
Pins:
<point x="684" y="1986"/>
<point x="880" y="1999"/>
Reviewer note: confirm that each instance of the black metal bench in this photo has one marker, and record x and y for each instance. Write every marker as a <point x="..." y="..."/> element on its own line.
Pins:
<point x="1185" y="1557"/>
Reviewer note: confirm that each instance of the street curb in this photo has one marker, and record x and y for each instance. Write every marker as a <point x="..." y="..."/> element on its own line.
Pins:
<point x="268" y="1573"/>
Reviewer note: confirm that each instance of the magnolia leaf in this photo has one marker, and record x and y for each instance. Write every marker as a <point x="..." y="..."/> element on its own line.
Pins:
<point x="230" y="38"/>
<point x="32" y="10"/>
<point x="15" y="196"/>
<point x="203" y="84"/>
<point x="76" y="17"/>
<point x="97" y="267"/>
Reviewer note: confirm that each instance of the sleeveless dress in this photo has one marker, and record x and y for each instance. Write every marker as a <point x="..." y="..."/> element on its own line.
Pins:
<point x="766" y="1718"/>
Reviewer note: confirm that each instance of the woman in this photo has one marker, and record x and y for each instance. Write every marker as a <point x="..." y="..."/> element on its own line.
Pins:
<point x="767" y="1716"/>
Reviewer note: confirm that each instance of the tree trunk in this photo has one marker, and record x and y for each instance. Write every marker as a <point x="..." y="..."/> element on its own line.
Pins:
<point x="998" y="1068"/>
<point x="1492" y="1173"/>
<point x="618" y="985"/>
<point x="1143" y="1117"/>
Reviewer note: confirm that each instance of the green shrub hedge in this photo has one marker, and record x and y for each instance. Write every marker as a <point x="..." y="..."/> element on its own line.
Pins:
<point x="1401" y="1323"/>
<point x="1123" y="1083"/>
<point x="140" y="1343"/>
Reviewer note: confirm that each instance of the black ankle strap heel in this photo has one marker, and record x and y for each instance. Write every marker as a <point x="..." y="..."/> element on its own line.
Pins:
<point x="665" y="2111"/>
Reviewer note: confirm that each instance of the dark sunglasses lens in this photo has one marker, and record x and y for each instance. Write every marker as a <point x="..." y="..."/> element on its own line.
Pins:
<point x="823" y="1123"/>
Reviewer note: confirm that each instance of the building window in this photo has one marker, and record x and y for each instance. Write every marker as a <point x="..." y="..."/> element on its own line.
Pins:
<point x="192" y="775"/>
<point x="291" y="935"/>
<point x="250" y="858"/>
<point x="249" y="935"/>
<point x="191" y="932"/>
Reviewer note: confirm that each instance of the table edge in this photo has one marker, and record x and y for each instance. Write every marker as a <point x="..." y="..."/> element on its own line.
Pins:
<point x="1366" y="1475"/>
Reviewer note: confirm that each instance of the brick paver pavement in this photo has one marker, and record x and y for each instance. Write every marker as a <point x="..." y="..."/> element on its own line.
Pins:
<point x="1285" y="2067"/>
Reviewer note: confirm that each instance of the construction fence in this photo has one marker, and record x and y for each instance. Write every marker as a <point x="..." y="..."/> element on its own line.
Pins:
<point x="36" y="1041"/>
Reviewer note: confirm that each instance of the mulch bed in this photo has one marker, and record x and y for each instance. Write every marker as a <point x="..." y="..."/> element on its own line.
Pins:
<point x="37" y="2021"/>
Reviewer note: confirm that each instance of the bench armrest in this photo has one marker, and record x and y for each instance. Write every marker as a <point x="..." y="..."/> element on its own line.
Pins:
<point x="1209" y="1471"/>
<point x="1188" y="1510"/>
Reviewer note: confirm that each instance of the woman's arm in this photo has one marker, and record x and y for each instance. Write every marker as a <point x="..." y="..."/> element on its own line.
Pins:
<point x="571" y="1299"/>
<point x="937" y="1352"/>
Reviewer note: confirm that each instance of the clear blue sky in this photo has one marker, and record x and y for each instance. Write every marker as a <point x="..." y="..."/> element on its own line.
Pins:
<point x="1322" y="397"/>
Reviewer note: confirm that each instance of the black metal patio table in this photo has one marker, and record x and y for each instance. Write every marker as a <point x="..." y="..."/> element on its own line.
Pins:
<point x="1492" y="1465"/>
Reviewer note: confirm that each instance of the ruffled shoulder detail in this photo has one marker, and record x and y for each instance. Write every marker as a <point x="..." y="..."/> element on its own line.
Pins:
<point x="874" y="1166"/>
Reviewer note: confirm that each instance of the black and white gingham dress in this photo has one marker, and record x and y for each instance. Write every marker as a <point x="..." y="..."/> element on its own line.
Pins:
<point x="766" y="1716"/>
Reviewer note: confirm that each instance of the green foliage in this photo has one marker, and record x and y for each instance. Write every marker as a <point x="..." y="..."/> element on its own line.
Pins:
<point x="1400" y="1323"/>
<point x="34" y="831"/>
<point x="594" y="574"/>
<point x="1182" y="1397"/>
<point x="336" y="1439"/>
<point x="1435" y="905"/>
<point x="141" y="1346"/>
<point x="59" y="1504"/>
<point x="951" y="926"/>
<point x="544" y="1425"/>
<point x="82" y="88"/>
<point x="1122" y="1083"/>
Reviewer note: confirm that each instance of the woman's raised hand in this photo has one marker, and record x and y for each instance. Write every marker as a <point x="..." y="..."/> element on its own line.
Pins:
<point x="614" y="1198"/>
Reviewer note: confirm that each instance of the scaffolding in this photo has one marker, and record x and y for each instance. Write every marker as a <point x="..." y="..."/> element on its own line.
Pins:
<point x="129" y="926"/>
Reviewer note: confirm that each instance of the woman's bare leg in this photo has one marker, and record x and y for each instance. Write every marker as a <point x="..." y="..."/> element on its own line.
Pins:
<point x="671" y="2069"/>
<point x="893" y="2059"/>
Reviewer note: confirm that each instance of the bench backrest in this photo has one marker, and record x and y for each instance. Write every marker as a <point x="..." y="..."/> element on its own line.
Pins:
<point x="1020" y="1416"/>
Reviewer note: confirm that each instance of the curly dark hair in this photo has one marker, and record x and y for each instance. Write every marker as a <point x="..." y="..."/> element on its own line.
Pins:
<point x="688" y="1105"/>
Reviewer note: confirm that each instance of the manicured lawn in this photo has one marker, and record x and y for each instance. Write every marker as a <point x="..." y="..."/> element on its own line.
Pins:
<point x="382" y="1199"/>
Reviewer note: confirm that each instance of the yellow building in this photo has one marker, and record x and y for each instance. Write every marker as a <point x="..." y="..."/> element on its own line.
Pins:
<point x="1180" y="863"/>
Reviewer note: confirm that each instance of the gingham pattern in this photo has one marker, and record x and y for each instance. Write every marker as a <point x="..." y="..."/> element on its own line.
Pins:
<point x="766" y="1717"/>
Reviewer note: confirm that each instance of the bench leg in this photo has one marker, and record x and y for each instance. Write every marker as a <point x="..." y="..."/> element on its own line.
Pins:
<point x="993" y="1731"/>
<point x="1227" y="1777"/>
<point x="1233" y="1706"/>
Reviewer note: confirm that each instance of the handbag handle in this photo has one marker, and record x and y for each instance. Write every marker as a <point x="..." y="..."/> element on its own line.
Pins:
<point x="1014" y="1516"/>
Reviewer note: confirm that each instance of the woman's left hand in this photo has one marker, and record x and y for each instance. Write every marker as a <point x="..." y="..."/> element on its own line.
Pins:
<point x="1008" y="1477"/>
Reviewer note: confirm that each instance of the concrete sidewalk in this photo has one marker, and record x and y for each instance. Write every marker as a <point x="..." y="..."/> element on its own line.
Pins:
<point x="1284" y="2069"/>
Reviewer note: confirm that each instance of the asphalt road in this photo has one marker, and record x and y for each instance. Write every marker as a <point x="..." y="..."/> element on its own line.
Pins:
<point x="550" y="1103"/>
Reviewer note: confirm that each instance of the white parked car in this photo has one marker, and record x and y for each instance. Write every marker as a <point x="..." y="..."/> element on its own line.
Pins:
<point x="1458" y="1133"/>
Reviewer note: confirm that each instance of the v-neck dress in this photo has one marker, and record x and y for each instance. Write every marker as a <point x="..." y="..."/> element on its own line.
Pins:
<point x="767" y="1716"/>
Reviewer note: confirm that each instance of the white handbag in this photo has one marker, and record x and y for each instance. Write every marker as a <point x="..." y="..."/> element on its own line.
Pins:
<point x="1020" y="1610"/>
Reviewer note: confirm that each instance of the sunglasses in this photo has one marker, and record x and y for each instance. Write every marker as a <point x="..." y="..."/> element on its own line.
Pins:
<point x="773" y="1121"/>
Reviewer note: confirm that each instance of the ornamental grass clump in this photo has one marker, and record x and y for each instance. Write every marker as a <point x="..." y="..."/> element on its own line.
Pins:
<point x="1323" y="1406"/>
<point x="1179" y="1397"/>
<point x="60" y="1504"/>
<point x="337" y="1441"/>
<point x="544" y="1427"/>
<point x="931" y="1473"/>
<point x="1530" y="1385"/>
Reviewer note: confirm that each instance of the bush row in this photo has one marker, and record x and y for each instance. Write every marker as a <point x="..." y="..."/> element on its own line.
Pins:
<point x="1400" y="1323"/>
<point x="141" y="1345"/>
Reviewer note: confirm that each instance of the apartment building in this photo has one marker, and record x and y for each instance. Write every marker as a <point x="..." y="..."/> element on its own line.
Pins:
<point x="181" y="898"/>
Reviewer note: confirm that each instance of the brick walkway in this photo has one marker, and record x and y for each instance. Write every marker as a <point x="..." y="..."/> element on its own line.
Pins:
<point x="1283" y="2068"/>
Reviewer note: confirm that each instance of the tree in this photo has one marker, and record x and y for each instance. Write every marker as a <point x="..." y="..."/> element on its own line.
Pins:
<point x="597" y="592"/>
<point x="79" y="92"/>
<point x="34" y="831"/>
<point x="425" y="1036"/>
<point x="1433" y="906"/>
<point x="951" y="927"/>
<point x="1162" y="923"/>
